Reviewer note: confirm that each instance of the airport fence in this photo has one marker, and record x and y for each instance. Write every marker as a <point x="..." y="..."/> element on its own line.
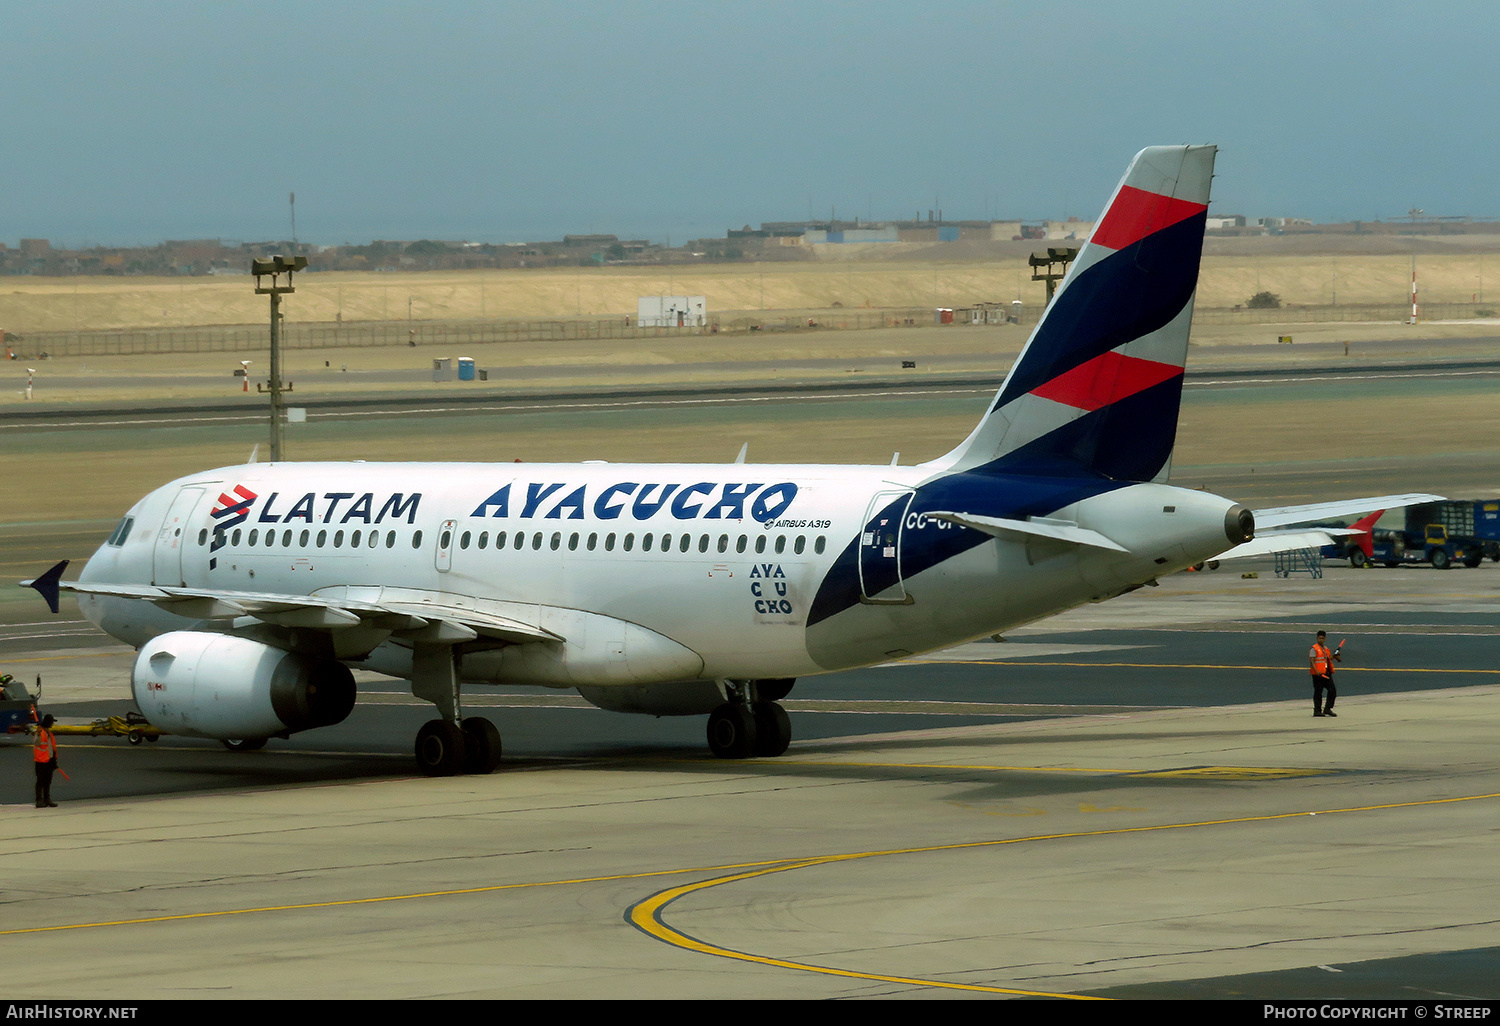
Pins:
<point x="1346" y="312"/>
<point x="448" y="334"/>
<point x="452" y="335"/>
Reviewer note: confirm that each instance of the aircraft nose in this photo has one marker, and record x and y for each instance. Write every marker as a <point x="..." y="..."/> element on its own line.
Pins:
<point x="1239" y="525"/>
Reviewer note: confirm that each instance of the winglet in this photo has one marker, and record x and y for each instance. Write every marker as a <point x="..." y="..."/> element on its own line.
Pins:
<point x="47" y="586"/>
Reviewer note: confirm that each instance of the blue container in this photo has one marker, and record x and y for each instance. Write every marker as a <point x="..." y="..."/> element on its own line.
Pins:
<point x="465" y="368"/>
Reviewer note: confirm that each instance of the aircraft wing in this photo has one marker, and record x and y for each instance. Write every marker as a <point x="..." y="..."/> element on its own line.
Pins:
<point x="1271" y="525"/>
<point x="1287" y="516"/>
<point x="409" y="616"/>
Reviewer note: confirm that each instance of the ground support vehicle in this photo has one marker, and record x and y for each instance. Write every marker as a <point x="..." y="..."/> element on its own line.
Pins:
<point x="17" y="708"/>
<point x="1471" y="525"/>
<point x="133" y="727"/>
<point x="1432" y="545"/>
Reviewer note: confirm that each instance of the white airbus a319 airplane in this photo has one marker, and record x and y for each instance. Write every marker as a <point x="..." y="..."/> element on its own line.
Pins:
<point x="673" y="589"/>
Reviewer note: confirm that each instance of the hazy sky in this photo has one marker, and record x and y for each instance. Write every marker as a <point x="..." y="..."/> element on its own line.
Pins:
<point x="130" y="123"/>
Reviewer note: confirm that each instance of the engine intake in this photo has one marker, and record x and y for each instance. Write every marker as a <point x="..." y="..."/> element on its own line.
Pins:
<point x="219" y="686"/>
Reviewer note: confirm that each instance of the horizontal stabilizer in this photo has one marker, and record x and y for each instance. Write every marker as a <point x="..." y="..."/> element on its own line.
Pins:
<point x="1035" y="528"/>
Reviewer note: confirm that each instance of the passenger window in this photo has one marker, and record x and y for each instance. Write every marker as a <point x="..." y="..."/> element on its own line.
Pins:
<point x="739" y="546"/>
<point x="723" y="543"/>
<point x="202" y="537"/>
<point x="536" y="541"/>
<point x="573" y="542"/>
<point x="444" y="540"/>
<point x="390" y="539"/>
<point x="646" y="542"/>
<point x="760" y="543"/>
<point x="818" y="545"/>
<point x="666" y="543"/>
<point x="235" y="538"/>
<point x="780" y="544"/>
<point x="593" y="541"/>
<point x="416" y="540"/>
<point x="286" y="539"/>
<point x="302" y="538"/>
<point x="322" y="537"/>
<point x="354" y="539"/>
<point x="629" y="542"/>
<point x="374" y="538"/>
<point x="338" y="539"/>
<point x="484" y="539"/>
<point x="800" y="545"/>
<point x="463" y="540"/>
<point x="254" y="536"/>
<point x="686" y="543"/>
<point x="609" y="542"/>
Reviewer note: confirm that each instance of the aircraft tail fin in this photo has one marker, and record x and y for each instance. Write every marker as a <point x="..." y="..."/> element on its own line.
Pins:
<point x="1365" y="533"/>
<point x="1098" y="386"/>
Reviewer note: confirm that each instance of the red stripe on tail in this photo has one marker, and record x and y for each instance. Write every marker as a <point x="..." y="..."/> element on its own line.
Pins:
<point x="1136" y="214"/>
<point x="1105" y="379"/>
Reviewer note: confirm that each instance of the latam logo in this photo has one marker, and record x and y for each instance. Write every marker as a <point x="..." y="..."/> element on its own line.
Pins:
<point x="707" y="500"/>
<point x="339" y="507"/>
<point x="229" y="511"/>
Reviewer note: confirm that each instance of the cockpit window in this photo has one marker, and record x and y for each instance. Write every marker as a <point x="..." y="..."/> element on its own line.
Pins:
<point x="122" y="531"/>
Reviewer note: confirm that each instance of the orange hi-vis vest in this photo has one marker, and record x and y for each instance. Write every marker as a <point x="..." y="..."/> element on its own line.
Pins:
<point x="1322" y="661"/>
<point x="45" y="749"/>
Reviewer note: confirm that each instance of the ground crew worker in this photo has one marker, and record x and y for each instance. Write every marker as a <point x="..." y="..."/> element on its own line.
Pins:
<point x="44" y="757"/>
<point x="1320" y="660"/>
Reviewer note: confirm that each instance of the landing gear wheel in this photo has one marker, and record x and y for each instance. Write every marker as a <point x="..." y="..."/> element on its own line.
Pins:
<point x="481" y="745"/>
<point x="440" y="748"/>
<point x="773" y="728"/>
<point x="774" y="689"/>
<point x="248" y="744"/>
<point x="731" y="731"/>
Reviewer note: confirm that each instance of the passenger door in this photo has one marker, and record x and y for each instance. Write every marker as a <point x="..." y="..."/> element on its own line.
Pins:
<point x="880" y="580"/>
<point x="166" y="560"/>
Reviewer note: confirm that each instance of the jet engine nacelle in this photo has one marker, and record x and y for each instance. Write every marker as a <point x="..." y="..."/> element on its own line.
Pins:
<point x="219" y="686"/>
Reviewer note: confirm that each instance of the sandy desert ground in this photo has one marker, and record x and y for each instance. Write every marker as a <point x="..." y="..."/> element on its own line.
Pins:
<point x="1229" y="277"/>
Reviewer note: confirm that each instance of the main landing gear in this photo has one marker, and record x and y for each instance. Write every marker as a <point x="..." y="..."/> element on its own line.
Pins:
<point x="450" y="745"/>
<point x="752" y="722"/>
<point x="445" y="749"/>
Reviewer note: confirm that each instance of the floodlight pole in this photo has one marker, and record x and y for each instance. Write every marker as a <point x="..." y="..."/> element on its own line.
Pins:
<point x="275" y="267"/>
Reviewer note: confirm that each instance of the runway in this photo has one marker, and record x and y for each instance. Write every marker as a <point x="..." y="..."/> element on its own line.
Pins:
<point x="859" y="381"/>
<point x="1106" y="804"/>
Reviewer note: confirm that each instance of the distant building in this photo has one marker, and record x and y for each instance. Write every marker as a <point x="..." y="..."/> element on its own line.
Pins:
<point x="671" y="311"/>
